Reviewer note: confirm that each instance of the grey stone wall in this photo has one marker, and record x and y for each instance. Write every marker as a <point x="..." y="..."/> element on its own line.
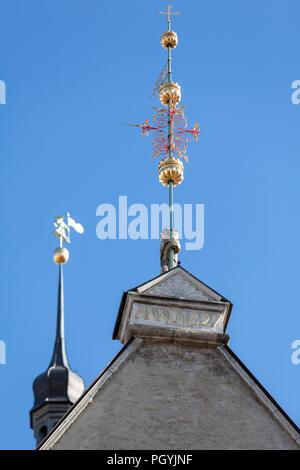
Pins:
<point x="175" y="396"/>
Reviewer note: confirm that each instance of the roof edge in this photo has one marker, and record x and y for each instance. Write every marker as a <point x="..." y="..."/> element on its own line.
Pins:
<point x="295" y="434"/>
<point x="59" y="423"/>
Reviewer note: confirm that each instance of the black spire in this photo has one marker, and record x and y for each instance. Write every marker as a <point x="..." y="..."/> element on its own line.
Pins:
<point x="59" y="357"/>
<point x="56" y="389"/>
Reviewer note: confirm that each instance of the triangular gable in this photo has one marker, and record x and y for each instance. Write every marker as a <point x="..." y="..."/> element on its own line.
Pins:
<point x="107" y="393"/>
<point x="178" y="288"/>
<point x="181" y="284"/>
<point x="169" y="285"/>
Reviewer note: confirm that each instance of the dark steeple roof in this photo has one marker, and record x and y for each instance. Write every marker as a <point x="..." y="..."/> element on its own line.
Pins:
<point x="58" y="384"/>
<point x="59" y="357"/>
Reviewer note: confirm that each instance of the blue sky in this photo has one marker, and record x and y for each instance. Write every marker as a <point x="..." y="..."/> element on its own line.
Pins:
<point x="75" y="72"/>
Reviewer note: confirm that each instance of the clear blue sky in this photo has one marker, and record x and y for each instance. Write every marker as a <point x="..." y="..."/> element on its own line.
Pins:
<point x="75" y="72"/>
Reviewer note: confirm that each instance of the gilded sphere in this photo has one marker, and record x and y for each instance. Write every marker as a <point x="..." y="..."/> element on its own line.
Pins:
<point x="170" y="169"/>
<point x="169" y="39"/>
<point x="61" y="255"/>
<point x="169" y="92"/>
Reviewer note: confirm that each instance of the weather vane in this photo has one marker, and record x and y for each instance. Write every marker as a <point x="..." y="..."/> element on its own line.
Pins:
<point x="62" y="231"/>
<point x="170" y="133"/>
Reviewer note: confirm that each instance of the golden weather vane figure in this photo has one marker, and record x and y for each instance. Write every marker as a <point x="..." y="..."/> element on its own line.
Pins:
<point x="62" y="231"/>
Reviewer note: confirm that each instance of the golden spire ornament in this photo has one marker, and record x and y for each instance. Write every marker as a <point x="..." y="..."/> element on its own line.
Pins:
<point x="170" y="133"/>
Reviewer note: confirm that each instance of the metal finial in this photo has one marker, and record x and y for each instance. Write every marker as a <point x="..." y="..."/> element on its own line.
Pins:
<point x="62" y="231"/>
<point x="168" y="13"/>
<point x="170" y="133"/>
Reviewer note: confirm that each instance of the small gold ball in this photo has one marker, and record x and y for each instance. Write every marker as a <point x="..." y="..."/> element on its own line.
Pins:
<point x="169" y="39"/>
<point x="169" y="92"/>
<point x="170" y="169"/>
<point x="61" y="255"/>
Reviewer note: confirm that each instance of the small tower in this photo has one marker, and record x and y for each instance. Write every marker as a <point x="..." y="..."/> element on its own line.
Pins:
<point x="56" y="389"/>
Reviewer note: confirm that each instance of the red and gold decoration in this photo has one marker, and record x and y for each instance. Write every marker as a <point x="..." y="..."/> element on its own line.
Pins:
<point x="169" y="129"/>
<point x="170" y="136"/>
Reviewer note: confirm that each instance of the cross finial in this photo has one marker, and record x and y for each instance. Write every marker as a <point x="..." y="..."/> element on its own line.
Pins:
<point x="168" y="13"/>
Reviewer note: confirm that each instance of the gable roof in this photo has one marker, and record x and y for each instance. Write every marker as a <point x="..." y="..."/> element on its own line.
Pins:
<point x="261" y="394"/>
<point x="151" y="288"/>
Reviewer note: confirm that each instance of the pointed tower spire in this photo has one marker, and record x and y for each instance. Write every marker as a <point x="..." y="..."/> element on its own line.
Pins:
<point x="56" y="389"/>
<point x="59" y="357"/>
<point x="170" y="140"/>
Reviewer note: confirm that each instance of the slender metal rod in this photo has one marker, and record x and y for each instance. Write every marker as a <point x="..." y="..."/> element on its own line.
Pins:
<point x="171" y="260"/>
<point x="169" y="64"/>
<point x="171" y="252"/>
<point x="170" y="130"/>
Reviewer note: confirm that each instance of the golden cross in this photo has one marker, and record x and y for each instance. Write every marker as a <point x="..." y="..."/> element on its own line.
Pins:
<point x="168" y="13"/>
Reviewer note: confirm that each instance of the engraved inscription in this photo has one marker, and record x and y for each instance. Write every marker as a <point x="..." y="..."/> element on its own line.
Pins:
<point x="165" y="316"/>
